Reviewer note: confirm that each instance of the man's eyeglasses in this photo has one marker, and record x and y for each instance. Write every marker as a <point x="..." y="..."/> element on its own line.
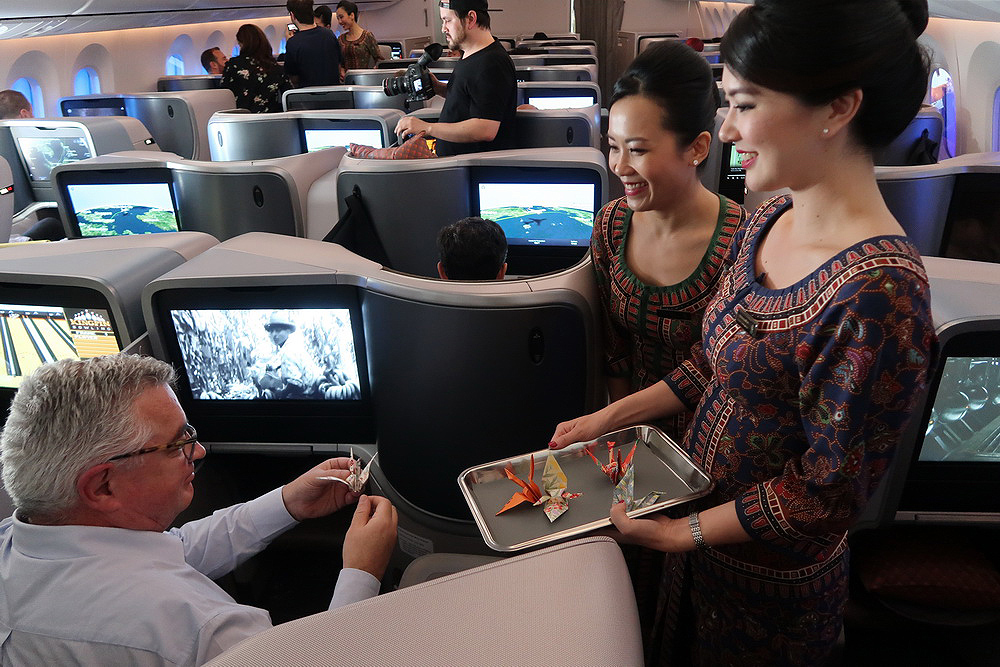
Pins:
<point x="186" y="445"/>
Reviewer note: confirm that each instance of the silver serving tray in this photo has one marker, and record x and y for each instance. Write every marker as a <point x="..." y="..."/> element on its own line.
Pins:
<point x="660" y="465"/>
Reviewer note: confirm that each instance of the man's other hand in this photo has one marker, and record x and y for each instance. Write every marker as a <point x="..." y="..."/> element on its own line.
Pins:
<point x="372" y="536"/>
<point x="307" y="497"/>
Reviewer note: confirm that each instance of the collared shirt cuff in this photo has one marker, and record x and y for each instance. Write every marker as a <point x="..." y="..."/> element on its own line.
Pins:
<point x="269" y="514"/>
<point x="354" y="586"/>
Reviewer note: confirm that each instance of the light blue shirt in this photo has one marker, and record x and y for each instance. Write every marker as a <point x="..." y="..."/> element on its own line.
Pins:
<point x="111" y="596"/>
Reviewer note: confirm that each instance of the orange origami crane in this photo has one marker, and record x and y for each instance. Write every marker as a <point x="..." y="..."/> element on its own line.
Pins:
<point x="554" y="496"/>
<point x="616" y="468"/>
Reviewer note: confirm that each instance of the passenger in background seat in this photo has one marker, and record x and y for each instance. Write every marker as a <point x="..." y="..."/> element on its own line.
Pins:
<point x="324" y="16"/>
<point x="14" y="105"/>
<point x="254" y="76"/>
<point x="815" y="348"/>
<point x="213" y="60"/>
<point x="472" y="249"/>
<point x="99" y="460"/>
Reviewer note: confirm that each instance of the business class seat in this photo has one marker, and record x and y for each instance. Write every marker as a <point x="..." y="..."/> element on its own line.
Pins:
<point x="224" y="199"/>
<point x="918" y="143"/>
<point x="169" y="84"/>
<point x="925" y="579"/>
<point x="6" y="200"/>
<point x="344" y="97"/>
<point x="571" y="604"/>
<point x="176" y="120"/>
<point x="243" y="136"/>
<point x="438" y="192"/>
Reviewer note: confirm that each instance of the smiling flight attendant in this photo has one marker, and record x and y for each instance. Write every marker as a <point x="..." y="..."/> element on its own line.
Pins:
<point x="816" y="345"/>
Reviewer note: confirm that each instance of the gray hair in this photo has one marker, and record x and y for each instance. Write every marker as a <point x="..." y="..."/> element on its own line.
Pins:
<point x="68" y="416"/>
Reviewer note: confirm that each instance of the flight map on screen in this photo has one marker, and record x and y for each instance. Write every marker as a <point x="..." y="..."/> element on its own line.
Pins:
<point x="540" y="213"/>
<point x="43" y="154"/>
<point x="301" y="354"/>
<point x="115" y="209"/>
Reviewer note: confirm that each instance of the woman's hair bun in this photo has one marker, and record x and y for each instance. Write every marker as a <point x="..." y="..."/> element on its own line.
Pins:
<point x="916" y="13"/>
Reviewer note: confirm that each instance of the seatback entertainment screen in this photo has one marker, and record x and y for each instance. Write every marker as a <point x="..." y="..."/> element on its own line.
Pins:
<point x="303" y="354"/>
<point x="115" y="209"/>
<point x="540" y="213"/>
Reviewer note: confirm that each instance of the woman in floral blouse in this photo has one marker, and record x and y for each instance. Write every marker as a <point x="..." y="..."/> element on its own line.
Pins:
<point x="358" y="45"/>
<point x="254" y="76"/>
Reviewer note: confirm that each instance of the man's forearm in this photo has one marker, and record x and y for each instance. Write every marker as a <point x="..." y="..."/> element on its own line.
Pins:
<point x="466" y="131"/>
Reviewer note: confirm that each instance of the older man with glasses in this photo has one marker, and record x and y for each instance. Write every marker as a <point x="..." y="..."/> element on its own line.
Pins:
<point x="98" y="459"/>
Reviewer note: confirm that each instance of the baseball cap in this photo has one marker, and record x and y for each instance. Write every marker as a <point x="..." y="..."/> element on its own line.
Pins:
<point x="465" y="5"/>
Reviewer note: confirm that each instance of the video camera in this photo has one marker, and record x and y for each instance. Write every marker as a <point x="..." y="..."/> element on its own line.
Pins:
<point x="415" y="82"/>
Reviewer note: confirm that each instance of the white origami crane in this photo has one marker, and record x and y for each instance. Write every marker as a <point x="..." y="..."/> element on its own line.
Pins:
<point x="357" y="476"/>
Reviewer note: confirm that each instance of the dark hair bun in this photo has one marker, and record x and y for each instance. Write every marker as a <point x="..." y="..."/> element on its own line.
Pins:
<point x="820" y="50"/>
<point x="680" y="80"/>
<point x="916" y="13"/>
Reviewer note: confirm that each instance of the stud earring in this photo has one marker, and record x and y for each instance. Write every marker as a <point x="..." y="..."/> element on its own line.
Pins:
<point x="826" y="130"/>
<point x="694" y="162"/>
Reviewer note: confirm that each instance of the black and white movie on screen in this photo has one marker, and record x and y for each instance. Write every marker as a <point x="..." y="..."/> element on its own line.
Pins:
<point x="264" y="354"/>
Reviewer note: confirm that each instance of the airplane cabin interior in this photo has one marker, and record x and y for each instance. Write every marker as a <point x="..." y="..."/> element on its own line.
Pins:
<point x="184" y="222"/>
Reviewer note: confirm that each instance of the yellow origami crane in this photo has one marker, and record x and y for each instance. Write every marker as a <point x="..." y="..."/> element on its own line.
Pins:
<point x="554" y="482"/>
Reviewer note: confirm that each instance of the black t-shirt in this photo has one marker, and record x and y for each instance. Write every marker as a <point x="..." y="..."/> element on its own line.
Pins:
<point x="314" y="56"/>
<point x="483" y="85"/>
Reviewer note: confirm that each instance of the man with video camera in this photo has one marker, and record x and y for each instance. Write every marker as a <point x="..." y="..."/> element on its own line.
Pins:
<point x="481" y="95"/>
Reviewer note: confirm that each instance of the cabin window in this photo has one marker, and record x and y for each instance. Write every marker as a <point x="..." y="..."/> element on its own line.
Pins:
<point x="942" y="97"/>
<point x="86" y="82"/>
<point x="281" y="49"/>
<point x="175" y="65"/>
<point x="996" y="121"/>
<point x="236" y="50"/>
<point x="33" y="92"/>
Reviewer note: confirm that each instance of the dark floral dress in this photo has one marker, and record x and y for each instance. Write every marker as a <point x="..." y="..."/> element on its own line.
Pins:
<point x="255" y="87"/>
<point x="362" y="53"/>
<point x="649" y="329"/>
<point x="800" y="397"/>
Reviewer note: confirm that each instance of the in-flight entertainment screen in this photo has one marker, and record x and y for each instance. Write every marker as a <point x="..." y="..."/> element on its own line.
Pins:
<point x="114" y="209"/>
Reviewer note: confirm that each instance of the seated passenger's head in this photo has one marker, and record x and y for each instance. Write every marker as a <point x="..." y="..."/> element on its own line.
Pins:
<point x="324" y="16"/>
<point x="213" y="60"/>
<point x="852" y="68"/>
<point x="14" y="105"/>
<point x="472" y="249"/>
<point x="99" y="442"/>
<point x="661" y="118"/>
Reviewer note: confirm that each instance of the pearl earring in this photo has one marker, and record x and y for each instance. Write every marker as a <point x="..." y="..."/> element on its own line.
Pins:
<point x="694" y="162"/>
<point x="826" y="130"/>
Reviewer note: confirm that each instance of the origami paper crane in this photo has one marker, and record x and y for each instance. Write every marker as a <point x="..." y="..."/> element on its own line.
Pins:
<point x="616" y="467"/>
<point x="554" y="482"/>
<point x="624" y="492"/>
<point x="357" y="476"/>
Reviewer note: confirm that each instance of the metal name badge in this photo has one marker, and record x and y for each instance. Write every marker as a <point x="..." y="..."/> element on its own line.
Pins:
<point x="747" y="322"/>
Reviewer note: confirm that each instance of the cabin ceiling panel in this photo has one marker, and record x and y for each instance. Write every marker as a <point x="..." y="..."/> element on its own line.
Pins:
<point x="31" y="18"/>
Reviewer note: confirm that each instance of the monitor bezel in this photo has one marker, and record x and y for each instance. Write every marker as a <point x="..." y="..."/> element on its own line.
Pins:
<point x="533" y="259"/>
<point x="130" y="176"/>
<point x="952" y="486"/>
<point x="71" y="105"/>
<point x="19" y="132"/>
<point x="335" y="124"/>
<point x="58" y="296"/>
<point x="260" y="421"/>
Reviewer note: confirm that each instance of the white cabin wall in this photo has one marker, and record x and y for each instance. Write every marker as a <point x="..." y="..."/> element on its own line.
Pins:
<point x="526" y="17"/>
<point x="970" y="51"/>
<point x="690" y="19"/>
<point x="127" y="61"/>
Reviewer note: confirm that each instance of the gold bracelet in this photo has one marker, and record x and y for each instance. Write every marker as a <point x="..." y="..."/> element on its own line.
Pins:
<point x="699" y="540"/>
